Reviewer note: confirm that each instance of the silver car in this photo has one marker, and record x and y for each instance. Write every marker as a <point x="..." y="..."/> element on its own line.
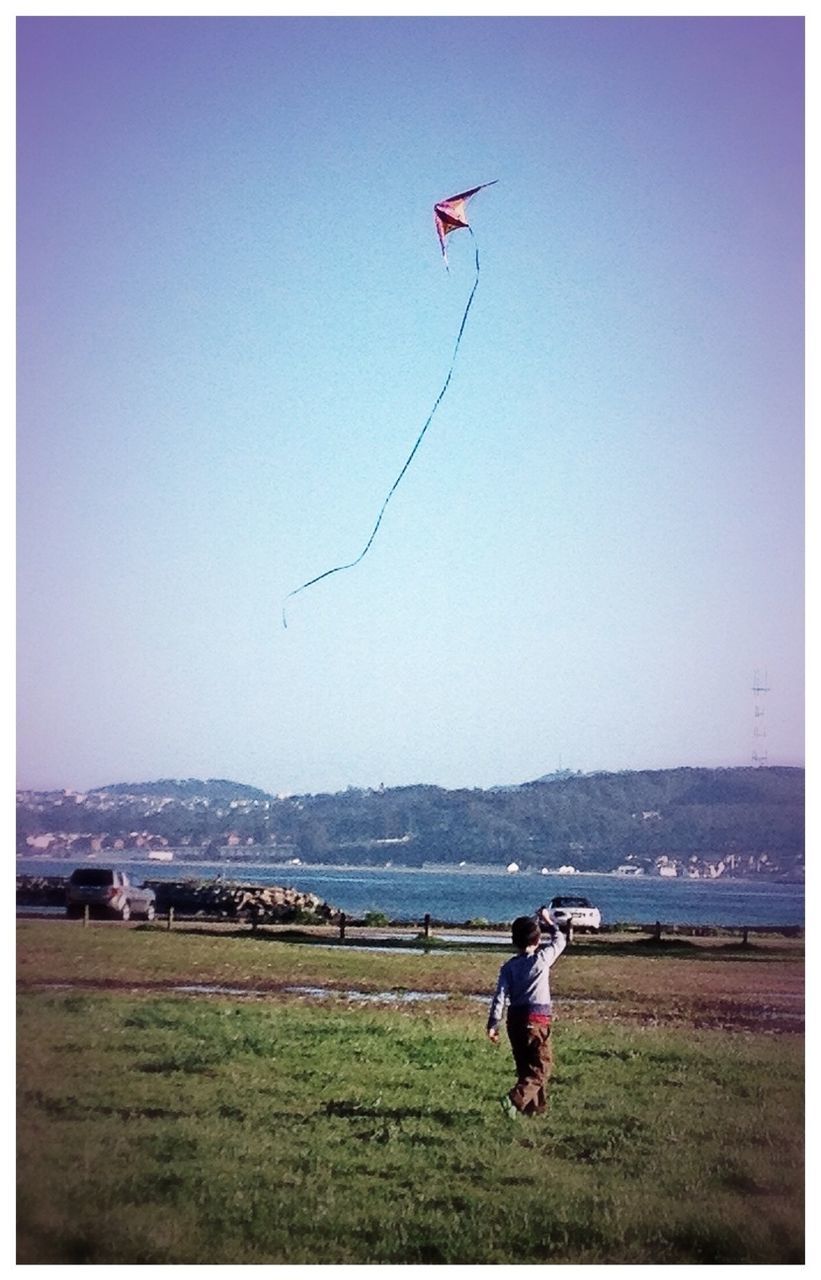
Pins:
<point x="108" y="892"/>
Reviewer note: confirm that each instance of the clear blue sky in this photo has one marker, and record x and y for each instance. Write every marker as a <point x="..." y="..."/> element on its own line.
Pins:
<point x="234" y="320"/>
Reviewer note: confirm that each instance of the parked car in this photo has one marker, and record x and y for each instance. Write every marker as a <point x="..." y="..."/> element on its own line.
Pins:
<point x="109" y="892"/>
<point x="575" y="911"/>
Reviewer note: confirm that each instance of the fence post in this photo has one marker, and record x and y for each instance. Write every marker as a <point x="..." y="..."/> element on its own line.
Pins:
<point x="170" y="917"/>
<point x="86" y="915"/>
<point x="342" y="926"/>
<point x="657" y="934"/>
<point x="427" y="924"/>
<point x="744" y="937"/>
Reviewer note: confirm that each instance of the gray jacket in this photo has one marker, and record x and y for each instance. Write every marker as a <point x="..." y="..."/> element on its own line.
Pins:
<point x="524" y="980"/>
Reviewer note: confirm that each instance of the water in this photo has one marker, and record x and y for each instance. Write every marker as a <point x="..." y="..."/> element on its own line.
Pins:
<point x="324" y="993"/>
<point x="457" y="894"/>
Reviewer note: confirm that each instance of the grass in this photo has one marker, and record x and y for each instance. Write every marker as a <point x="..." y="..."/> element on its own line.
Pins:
<point x="702" y="983"/>
<point x="155" y="1128"/>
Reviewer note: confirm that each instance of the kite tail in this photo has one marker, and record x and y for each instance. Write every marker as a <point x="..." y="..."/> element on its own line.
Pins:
<point x="339" y="568"/>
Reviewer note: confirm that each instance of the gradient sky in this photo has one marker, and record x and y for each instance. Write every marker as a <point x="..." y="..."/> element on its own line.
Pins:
<point x="234" y="320"/>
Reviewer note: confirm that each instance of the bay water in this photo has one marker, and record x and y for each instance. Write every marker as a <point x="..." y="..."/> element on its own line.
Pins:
<point x="458" y="894"/>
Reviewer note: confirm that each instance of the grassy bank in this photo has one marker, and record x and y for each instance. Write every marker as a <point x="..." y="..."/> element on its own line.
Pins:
<point x="159" y="1128"/>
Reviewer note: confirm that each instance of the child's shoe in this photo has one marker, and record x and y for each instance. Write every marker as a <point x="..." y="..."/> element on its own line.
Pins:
<point x="507" y="1106"/>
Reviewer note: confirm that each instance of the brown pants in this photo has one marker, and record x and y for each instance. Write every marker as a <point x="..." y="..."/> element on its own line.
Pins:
<point x="533" y="1055"/>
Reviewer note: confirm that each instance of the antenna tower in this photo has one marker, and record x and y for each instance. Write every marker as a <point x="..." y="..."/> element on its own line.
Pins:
<point x="760" y="690"/>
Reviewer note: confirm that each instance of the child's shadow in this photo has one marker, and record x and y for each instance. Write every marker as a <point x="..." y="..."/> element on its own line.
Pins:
<point x="374" y="1111"/>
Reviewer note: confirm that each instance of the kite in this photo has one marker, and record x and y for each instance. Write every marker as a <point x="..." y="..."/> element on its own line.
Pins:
<point x="448" y="215"/>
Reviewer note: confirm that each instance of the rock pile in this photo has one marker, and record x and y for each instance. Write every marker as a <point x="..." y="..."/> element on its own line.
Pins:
<point x="41" y="891"/>
<point x="266" y="903"/>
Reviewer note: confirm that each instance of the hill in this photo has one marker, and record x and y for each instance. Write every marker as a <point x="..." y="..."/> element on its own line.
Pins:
<point x="715" y="821"/>
<point x="215" y="790"/>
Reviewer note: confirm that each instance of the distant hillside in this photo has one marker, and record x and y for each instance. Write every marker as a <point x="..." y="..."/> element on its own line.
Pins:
<point x="216" y="790"/>
<point x="714" y="821"/>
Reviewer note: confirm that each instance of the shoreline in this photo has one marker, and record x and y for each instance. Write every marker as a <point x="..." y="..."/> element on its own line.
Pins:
<point x="437" y="868"/>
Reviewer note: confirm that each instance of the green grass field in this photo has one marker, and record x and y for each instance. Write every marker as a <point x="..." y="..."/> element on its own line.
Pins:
<point x="157" y="1127"/>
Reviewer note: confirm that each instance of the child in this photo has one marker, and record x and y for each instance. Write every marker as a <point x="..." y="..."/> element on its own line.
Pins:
<point x="524" y="985"/>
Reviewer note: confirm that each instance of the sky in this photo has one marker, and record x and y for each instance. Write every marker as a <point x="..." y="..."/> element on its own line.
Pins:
<point x="233" y="320"/>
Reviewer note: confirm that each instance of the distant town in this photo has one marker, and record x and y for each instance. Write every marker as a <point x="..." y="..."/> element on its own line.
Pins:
<point x="686" y="823"/>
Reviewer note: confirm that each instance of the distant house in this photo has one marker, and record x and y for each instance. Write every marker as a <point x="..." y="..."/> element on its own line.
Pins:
<point x="512" y="866"/>
<point x="566" y="871"/>
<point x="628" y="869"/>
<point x="40" y="842"/>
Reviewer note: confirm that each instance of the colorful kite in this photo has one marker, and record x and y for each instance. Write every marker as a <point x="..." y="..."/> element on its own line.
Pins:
<point x="449" y="215"/>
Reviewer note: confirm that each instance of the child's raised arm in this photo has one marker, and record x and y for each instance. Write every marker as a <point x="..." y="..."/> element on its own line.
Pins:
<point x="556" y="939"/>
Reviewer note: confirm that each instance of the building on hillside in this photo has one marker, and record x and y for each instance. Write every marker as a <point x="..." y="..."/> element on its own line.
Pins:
<point x="41" y="842"/>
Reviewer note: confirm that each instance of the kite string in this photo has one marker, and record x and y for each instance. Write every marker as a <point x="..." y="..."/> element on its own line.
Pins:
<point x="338" y="568"/>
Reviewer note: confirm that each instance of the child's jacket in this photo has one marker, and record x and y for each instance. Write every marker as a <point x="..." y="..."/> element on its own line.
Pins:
<point x="524" y="981"/>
